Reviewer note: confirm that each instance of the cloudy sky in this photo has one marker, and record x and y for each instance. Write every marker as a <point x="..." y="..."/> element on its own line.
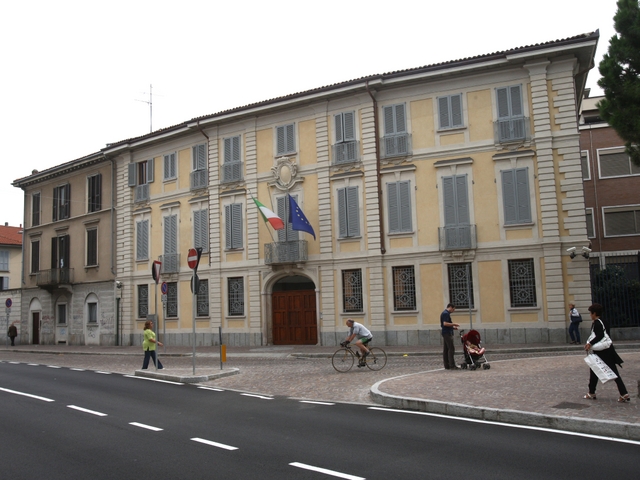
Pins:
<point x="76" y="75"/>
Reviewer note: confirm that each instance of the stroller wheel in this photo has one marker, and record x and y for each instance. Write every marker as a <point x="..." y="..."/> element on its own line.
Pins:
<point x="463" y="366"/>
<point x="472" y="367"/>
<point x="486" y="366"/>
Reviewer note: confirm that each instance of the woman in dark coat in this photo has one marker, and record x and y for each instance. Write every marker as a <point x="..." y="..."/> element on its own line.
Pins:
<point x="608" y="355"/>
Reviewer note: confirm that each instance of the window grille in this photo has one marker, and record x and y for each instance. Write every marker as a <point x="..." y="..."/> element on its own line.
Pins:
<point x="143" y="301"/>
<point x="92" y="312"/>
<point x="203" y="299"/>
<point x="404" y="288"/>
<point x="522" y="283"/>
<point x="236" y="296"/>
<point x="352" y="290"/>
<point x="172" y="300"/>
<point x="461" y="285"/>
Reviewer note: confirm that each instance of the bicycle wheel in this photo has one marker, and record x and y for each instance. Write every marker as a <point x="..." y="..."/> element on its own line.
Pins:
<point x="377" y="359"/>
<point x="343" y="360"/>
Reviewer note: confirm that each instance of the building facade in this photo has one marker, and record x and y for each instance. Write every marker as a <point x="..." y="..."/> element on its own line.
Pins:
<point x="10" y="274"/>
<point x="452" y="183"/>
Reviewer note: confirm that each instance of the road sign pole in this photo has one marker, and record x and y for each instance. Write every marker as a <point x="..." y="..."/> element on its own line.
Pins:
<point x="157" y="327"/>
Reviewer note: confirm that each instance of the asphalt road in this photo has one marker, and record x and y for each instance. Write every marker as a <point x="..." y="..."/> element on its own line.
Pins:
<point x="62" y="423"/>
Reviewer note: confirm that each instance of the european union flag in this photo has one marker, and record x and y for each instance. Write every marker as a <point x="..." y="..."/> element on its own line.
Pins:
<point x="298" y="220"/>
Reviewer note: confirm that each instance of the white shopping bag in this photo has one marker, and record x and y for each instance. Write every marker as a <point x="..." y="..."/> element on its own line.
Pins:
<point x="600" y="368"/>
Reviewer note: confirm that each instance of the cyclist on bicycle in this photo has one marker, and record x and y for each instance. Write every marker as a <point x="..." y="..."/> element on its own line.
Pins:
<point x="359" y="331"/>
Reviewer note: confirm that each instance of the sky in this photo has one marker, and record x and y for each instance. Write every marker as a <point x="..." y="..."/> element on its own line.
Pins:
<point x="77" y="75"/>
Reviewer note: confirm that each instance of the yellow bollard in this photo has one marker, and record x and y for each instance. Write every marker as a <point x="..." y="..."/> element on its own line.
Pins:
<point x="223" y="353"/>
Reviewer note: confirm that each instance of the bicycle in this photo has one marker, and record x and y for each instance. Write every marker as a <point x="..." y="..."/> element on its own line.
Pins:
<point x="344" y="358"/>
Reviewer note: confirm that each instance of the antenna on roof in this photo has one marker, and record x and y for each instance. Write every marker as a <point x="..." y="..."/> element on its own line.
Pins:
<point x="150" y="103"/>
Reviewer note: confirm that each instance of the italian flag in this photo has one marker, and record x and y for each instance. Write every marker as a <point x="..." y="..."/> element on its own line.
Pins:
<point x="268" y="216"/>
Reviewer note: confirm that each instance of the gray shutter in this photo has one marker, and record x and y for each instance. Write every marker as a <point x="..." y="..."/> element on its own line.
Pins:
<point x="353" y="214"/>
<point x="503" y="103"/>
<point x="509" y="197"/>
<point x="150" y="164"/>
<point x="200" y="157"/>
<point x="227" y="150"/>
<point x="456" y="110"/>
<point x="200" y="229"/>
<point x="394" y="212"/>
<point x="515" y="97"/>
<point x="170" y="234"/>
<point x="449" y="199"/>
<point x="142" y="240"/>
<point x="342" y="213"/>
<point x="237" y="225"/>
<point x="5" y="283"/>
<point x="235" y="144"/>
<point x="349" y="126"/>
<point x="228" y="226"/>
<point x="286" y="234"/>
<point x="132" y="174"/>
<point x="404" y="200"/>
<point x="443" y="112"/>
<point x="389" y="126"/>
<point x="462" y="200"/>
<point x="291" y="143"/>
<point x="401" y="125"/>
<point x="280" y="140"/>
<point x="522" y="190"/>
<point x="338" y="120"/>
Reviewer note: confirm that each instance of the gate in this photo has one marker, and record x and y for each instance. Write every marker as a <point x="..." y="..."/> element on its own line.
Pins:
<point x="294" y="317"/>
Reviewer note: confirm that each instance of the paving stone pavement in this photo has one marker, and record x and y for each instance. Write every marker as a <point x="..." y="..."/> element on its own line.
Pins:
<point x="545" y="382"/>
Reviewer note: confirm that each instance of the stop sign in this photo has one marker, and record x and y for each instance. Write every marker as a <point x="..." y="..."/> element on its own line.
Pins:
<point x="192" y="258"/>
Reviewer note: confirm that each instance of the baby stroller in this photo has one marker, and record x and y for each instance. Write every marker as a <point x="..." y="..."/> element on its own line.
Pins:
<point x="473" y="350"/>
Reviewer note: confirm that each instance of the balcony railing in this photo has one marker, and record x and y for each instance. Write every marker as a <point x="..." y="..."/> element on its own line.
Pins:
<point x="142" y="193"/>
<point x="511" y="129"/>
<point x="397" y="145"/>
<point x="458" y="237"/>
<point x="346" y="152"/>
<point x="54" y="277"/>
<point x="170" y="263"/>
<point x="285" y="252"/>
<point x="198" y="179"/>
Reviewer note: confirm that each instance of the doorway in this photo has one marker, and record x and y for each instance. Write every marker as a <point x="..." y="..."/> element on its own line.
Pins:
<point x="294" y="312"/>
<point x="35" y="327"/>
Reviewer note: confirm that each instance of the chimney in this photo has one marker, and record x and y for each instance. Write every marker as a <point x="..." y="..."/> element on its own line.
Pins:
<point x="6" y="224"/>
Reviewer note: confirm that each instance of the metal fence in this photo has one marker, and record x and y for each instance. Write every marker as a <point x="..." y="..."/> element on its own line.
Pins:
<point x="615" y="284"/>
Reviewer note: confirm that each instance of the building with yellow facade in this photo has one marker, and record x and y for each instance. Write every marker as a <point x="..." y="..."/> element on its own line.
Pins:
<point x="451" y="183"/>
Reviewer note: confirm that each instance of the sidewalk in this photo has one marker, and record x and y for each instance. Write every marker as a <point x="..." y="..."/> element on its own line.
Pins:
<point x="537" y="385"/>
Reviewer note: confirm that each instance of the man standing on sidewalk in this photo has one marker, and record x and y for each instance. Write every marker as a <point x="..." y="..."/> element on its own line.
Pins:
<point x="448" y="328"/>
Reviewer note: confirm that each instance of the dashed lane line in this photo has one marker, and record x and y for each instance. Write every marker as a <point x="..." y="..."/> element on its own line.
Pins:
<point x="214" y="444"/>
<point x="256" y="396"/>
<point x="326" y="471"/>
<point x="148" y="427"/>
<point x="15" y="392"/>
<point x="153" y="379"/>
<point x="86" y="410"/>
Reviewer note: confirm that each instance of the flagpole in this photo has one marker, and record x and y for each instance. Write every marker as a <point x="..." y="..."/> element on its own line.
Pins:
<point x="268" y="229"/>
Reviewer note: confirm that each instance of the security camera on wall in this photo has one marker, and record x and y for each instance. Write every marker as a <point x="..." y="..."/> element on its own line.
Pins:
<point x="572" y="252"/>
<point x="118" y="284"/>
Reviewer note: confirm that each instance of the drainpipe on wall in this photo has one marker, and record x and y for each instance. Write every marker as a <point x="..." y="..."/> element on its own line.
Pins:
<point x="383" y="250"/>
<point x="207" y="137"/>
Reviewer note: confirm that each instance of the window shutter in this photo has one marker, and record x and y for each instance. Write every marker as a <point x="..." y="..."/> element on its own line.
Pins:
<point x="235" y="143"/>
<point x="509" y="197"/>
<point x="291" y="144"/>
<point x="456" y="110"/>
<point x="228" y="226"/>
<point x="5" y="283"/>
<point x="150" y="164"/>
<point x="56" y="195"/>
<point x="199" y="157"/>
<point x="286" y="234"/>
<point x="237" y="225"/>
<point x="503" y="103"/>
<point x="132" y="174"/>
<point x="170" y="234"/>
<point x="449" y="199"/>
<point x="515" y="95"/>
<point x="404" y="200"/>
<point x="389" y="127"/>
<point x="98" y="193"/>
<point x="349" y="126"/>
<point x="394" y="217"/>
<point x="280" y="148"/>
<point x="54" y="252"/>
<point x="338" y="119"/>
<point x="462" y="200"/>
<point x="401" y="126"/>
<point x="443" y="110"/>
<point x="353" y="218"/>
<point x="227" y="150"/>
<point x="200" y="237"/>
<point x="522" y="192"/>
<point x="142" y="245"/>
<point x="342" y="213"/>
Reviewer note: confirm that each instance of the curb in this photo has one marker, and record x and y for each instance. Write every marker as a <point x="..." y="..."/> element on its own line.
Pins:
<point x="627" y="431"/>
<point x="185" y="378"/>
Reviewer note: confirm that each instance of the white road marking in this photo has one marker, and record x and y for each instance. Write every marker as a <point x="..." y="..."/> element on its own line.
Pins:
<point x="153" y="380"/>
<point x="52" y="366"/>
<point x="44" y="399"/>
<point x="103" y="373"/>
<point x="33" y="364"/>
<point x="333" y="473"/>
<point x="316" y="403"/>
<point x="214" y="389"/>
<point x="214" y="444"/>
<point x="512" y="425"/>
<point x="15" y="363"/>
<point x="78" y="369"/>
<point x="256" y="396"/>
<point x="148" y="427"/>
<point x="92" y="412"/>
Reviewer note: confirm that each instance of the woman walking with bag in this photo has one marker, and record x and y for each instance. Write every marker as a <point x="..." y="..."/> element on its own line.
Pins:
<point x="600" y="344"/>
<point x="149" y="346"/>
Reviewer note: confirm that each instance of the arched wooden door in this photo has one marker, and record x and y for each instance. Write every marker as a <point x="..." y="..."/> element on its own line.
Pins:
<point x="294" y="317"/>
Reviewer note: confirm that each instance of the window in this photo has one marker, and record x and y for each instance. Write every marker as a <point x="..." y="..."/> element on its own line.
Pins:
<point x="396" y="139"/>
<point x="515" y="196"/>
<point x="352" y="291"/>
<point x="404" y="288"/>
<point x="285" y="139"/>
<point x="233" y="226"/>
<point x="616" y="164"/>
<point x="4" y="260"/>
<point x="201" y="229"/>
<point x="60" y="252"/>
<point x="348" y="212"/>
<point x="92" y="312"/>
<point x="170" y="256"/>
<point x="143" y="301"/>
<point x="94" y="190"/>
<point x="460" y="285"/>
<point x="622" y="222"/>
<point x="511" y="122"/>
<point x="172" y="300"/>
<point x="35" y="209"/>
<point x="61" y="202"/>
<point x="202" y="300"/>
<point x="142" y="240"/>
<point x="35" y="256"/>
<point x="584" y="163"/>
<point x="522" y="283"/>
<point x="590" y="227"/>
<point x="92" y="247"/>
<point x="4" y="283"/>
<point x="170" y="171"/>
<point x="236" y="296"/>
<point x="455" y="197"/>
<point x="345" y="149"/>
<point x="399" y="204"/>
<point x="286" y="234"/>
<point x="140" y="176"/>
<point x="232" y="166"/>
<point x="199" y="166"/>
<point x="62" y="314"/>
<point x="450" y="111"/>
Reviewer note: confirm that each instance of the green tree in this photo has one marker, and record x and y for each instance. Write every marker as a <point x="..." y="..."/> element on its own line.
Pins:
<point x="620" y="68"/>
